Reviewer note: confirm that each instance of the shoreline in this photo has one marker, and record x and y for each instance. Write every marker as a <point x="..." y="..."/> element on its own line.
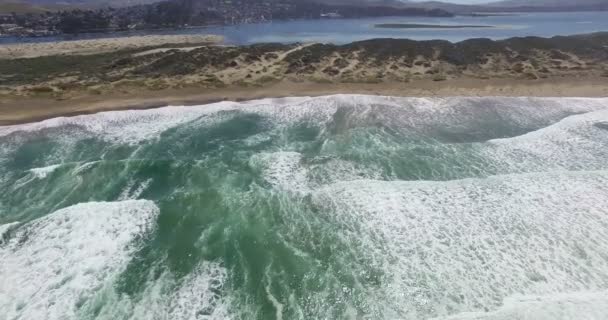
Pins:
<point x="16" y="110"/>
<point x="86" y="47"/>
<point x="161" y="71"/>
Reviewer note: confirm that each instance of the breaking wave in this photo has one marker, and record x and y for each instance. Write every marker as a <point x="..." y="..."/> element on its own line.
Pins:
<point x="344" y="206"/>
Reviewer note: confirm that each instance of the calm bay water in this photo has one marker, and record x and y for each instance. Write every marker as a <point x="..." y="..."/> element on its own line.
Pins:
<point x="349" y="30"/>
<point x="341" y="207"/>
<point x="342" y="31"/>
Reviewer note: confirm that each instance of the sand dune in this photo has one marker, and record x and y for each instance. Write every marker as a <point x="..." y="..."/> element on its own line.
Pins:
<point x="93" y="46"/>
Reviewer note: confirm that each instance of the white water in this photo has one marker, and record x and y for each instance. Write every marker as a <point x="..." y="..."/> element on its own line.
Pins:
<point x="422" y="113"/>
<point x="43" y="172"/>
<point x="580" y="306"/>
<point x="475" y="242"/>
<point x="523" y="238"/>
<point x="52" y="264"/>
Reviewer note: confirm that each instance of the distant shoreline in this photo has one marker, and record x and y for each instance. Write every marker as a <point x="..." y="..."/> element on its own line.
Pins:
<point x="426" y="26"/>
<point x="100" y="45"/>
<point x="342" y="31"/>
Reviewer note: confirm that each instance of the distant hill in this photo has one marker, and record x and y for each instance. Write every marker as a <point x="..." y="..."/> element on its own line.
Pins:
<point x="497" y="6"/>
<point x="94" y="16"/>
<point x="86" y="3"/>
<point x="18" y="7"/>
<point x="126" y="3"/>
<point x="22" y="7"/>
<point x="517" y="6"/>
<point x="507" y="5"/>
<point x="244" y="3"/>
<point x="375" y="3"/>
<point x="551" y="5"/>
<point x="547" y="3"/>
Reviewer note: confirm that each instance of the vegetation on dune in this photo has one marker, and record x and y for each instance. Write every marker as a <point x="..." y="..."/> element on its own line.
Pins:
<point x="371" y="61"/>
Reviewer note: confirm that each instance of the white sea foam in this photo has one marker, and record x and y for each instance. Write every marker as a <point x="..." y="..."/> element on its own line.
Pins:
<point x="580" y="305"/>
<point x="81" y="168"/>
<point x="200" y="295"/>
<point x="447" y="248"/>
<point x="575" y="143"/>
<point x="422" y="113"/>
<point x="336" y="170"/>
<point x="465" y="246"/>
<point x="35" y="174"/>
<point x="4" y="228"/>
<point x="43" y="172"/>
<point x="133" y="190"/>
<point x="53" y="264"/>
<point x="123" y="126"/>
<point x="428" y="114"/>
<point x="282" y="170"/>
<point x="134" y="126"/>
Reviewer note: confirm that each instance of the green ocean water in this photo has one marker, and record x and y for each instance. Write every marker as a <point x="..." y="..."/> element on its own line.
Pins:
<point x="339" y="207"/>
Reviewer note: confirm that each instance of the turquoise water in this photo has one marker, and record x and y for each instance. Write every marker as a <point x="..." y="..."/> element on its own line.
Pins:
<point x="339" y="207"/>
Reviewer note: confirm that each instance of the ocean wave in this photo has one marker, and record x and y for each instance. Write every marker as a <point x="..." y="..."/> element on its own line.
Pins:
<point x="574" y="143"/>
<point x="579" y="305"/>
<point x="53" y="265"/>
<point x="198" y="295"/>
<point x="137" y="125"/>
<point x="5" y="228"/>
<point x="328" y="207"/>
<point x="43" y="172"/>
<point x="457" y="246"/>
<point x="281" y="169"/>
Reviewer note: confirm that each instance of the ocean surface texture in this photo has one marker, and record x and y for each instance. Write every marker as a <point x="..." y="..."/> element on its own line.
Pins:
<point x="339" y="207"/>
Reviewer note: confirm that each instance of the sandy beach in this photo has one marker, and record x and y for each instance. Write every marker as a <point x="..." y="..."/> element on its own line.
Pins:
<point x="95" y="46"/>
<point x="15" y="110"/>
<point x="45" y="80"/>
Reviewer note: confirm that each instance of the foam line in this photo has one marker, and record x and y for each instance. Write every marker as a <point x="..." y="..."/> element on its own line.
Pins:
<point x="43" y="172"/>
<point x="137" y="125"/>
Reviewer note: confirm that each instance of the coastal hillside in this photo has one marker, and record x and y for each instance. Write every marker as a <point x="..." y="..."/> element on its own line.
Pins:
<point x="93" y="17"/>
<point x="209" y="66"/>
<point x="136" y="2"/>
<point x="127" y="3"/>
<point x="23" y="7"/>
<point x="516" y="6"/>
<point x="20" y="8"/>
<point x="89" y="3"/>
<point x="547" y="3"/>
